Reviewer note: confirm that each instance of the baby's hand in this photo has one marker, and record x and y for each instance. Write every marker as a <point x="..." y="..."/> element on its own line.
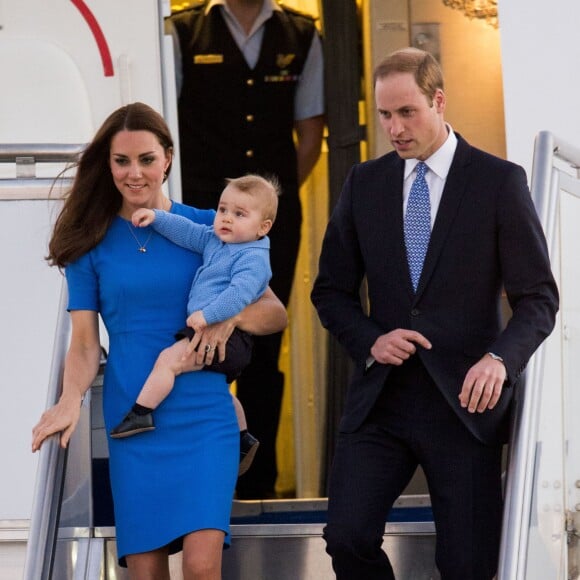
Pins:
<point x="143" y="217"/>
<point x="196" y="320"/>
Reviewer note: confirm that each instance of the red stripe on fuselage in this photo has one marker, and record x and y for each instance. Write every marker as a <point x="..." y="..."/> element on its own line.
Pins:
<point x="99" y="36"/>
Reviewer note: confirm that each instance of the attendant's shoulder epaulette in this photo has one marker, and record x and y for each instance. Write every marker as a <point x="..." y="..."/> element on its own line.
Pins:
<point x="194" y="6"/>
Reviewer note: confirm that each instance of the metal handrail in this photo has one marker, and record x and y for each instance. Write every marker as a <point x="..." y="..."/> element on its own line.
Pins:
<point x="523" y="439"/>
<point x="51" y="468"/>
<point x="25" y="157"/>
<point x="564" y="151"/>
<point x="44" y="152"/>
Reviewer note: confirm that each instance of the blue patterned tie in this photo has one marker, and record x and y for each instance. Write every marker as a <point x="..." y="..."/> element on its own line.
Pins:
<point x="418" y="224"/>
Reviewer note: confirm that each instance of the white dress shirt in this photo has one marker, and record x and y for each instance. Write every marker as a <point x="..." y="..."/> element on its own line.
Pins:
<point x="438" y="164"/>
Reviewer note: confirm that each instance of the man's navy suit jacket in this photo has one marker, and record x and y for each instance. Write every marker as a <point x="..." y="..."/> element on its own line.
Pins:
<point x="486" y="238"/>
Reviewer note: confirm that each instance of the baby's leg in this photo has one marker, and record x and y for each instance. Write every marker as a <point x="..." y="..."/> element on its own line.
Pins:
<point x="240" y="414"/>
<point x="157" y="386"/>
<point x="159" y="383"/>
<point x="248" y="443"/>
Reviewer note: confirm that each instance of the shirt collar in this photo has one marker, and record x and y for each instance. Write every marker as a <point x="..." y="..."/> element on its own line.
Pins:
<point x="268" y="8"/>
<point x="440" y="162"/>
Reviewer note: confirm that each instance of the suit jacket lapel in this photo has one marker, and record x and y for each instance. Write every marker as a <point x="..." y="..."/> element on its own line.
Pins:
<point x="393" y="231"/>
<point x="453" y="192"/>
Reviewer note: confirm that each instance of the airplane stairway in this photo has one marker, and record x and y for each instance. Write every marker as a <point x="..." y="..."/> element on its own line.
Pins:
<point x="72" y="530"/>
<point x="271" y="539"/>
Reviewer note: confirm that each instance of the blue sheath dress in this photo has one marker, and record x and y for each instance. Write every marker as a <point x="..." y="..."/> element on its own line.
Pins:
<point x="179" y="478"/>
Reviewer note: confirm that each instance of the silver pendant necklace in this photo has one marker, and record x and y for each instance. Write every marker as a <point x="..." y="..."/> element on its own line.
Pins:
<point x="141" y="247"/>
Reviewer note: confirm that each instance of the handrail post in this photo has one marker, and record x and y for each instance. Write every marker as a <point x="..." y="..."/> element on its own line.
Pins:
<point x="51" y="468"/>
<point x="523" y="446"/>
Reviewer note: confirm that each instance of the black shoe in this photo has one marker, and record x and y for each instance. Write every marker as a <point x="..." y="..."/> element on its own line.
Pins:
<point x="133" y="424"/>
<point x="248" y="447"/>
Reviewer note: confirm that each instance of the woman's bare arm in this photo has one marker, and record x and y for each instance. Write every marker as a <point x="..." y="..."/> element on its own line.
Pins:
<point x="265" y="316"/>
<point x="80" y="369"/>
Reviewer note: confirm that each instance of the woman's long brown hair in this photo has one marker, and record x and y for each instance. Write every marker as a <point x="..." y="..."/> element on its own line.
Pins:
<point x="93" y="200"/>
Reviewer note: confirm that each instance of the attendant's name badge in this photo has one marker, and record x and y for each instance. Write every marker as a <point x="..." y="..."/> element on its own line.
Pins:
<point x="208" y="59"/>
<point x="282" y="78"/>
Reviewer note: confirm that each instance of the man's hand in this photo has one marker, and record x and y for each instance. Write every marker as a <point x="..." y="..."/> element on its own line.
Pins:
<point x="483" y="385"/>
<point x="397" y="346"/>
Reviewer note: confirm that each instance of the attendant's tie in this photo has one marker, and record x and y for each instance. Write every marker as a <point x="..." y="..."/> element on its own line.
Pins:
<point x="418" y="224"/>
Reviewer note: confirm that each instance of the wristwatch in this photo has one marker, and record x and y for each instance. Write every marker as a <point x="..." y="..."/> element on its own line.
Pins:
<point x="495" y="356"/>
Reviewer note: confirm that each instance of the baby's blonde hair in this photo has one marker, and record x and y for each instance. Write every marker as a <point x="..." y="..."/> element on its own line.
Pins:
<point x="266" y="190"/>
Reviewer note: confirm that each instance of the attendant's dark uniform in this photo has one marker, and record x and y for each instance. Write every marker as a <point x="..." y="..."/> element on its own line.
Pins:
<point x="235" y="120"/>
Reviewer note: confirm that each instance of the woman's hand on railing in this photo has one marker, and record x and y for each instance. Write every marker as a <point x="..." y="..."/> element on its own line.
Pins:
<point x="62" y="418"/>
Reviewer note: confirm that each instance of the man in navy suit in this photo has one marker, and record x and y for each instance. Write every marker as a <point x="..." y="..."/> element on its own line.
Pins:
<point x="435" y="369"/>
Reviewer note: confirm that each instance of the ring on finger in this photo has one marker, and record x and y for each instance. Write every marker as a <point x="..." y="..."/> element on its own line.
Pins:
<point x="208" y="348"/>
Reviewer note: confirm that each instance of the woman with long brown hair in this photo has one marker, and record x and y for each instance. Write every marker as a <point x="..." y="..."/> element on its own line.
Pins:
<point x="172" y="487"/>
